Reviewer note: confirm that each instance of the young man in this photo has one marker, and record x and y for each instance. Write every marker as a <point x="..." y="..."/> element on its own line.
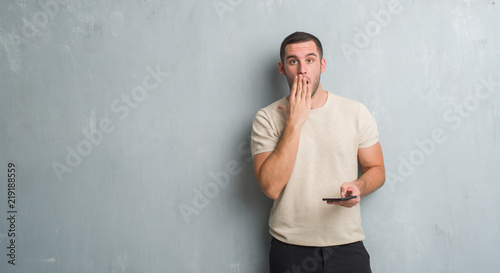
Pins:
<point x="306" y="147"/>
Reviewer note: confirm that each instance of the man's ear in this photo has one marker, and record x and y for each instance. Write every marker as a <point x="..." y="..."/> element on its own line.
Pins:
<point x="323" y="65"/>
<point x="281" y="68"/>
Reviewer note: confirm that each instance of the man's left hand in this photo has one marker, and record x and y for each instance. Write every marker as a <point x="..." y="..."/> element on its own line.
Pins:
<point x="348" y="189"/>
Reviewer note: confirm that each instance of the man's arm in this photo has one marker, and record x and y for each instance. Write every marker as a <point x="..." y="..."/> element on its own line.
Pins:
<point x="274" y="169"/>
<point x="373" y="177"/>
<point x="372" y="166"/>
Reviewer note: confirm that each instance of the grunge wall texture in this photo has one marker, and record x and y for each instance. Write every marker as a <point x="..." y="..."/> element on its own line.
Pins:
<point x="124" y="130"/>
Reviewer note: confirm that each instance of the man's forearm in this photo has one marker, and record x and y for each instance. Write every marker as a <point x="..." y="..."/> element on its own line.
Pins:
<point x="372" y="179"/>
<point x="277" y="169"/>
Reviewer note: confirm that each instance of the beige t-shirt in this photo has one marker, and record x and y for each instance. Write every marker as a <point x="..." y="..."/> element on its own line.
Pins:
<point x="327" y="157"/>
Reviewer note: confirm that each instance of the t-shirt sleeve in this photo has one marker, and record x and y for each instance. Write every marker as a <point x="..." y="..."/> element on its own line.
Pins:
<point x="264" y="136"/>
<point x="368" y="132"/>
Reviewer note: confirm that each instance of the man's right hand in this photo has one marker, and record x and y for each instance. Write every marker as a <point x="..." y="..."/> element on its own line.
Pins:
<point x="299" y="102"/>
<point x="274" y="169"/>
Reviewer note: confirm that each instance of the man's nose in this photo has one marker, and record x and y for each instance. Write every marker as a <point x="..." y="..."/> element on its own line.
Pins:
<point x="302" y="69"/>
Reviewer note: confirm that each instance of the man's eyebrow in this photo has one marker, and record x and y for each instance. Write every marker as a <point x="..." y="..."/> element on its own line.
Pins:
<point x="310" y="54"/>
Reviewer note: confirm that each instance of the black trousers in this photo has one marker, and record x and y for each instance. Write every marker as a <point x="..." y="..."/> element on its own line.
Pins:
<point x="350" y="258"/>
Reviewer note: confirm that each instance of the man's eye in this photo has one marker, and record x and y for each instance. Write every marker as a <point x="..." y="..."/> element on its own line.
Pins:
<point x="310" y="60"/>
<point x="293" y="61"/>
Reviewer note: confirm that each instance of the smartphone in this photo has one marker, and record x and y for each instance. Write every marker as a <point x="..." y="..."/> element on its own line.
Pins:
<point x="340" y="199"/>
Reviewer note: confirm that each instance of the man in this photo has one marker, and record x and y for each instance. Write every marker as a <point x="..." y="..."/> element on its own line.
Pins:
<point x="306" y="147"/>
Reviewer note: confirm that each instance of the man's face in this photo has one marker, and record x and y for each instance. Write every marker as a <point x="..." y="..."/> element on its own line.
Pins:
<point x="303" y="58"/>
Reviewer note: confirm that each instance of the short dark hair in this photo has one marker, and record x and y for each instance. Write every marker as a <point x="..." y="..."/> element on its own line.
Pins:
<point x="300" y="37"/>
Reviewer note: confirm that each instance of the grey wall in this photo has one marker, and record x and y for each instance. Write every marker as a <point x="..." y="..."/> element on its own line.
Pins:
<point x="128" y="121"/>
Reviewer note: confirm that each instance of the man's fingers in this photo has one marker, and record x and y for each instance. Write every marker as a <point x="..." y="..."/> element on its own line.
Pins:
<point x="343" y="190"/>
<point x="309" y="85"/>
<point x="293" y="91"/>
<point x="308" y="90"/>
<point x="347" y="204"/>
<point x="303" y="92"/>
<point x="299" y="85"/>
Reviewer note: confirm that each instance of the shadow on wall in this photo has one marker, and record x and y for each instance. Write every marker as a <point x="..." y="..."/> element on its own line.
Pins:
<point x="250" y="194"/>
<point x="256" y="207"/>
<point x="277" y="85"/>
<point x="250" y="191"/>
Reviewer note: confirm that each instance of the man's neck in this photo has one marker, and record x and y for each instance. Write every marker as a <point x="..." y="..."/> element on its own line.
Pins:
<point x="319" y="98"/>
